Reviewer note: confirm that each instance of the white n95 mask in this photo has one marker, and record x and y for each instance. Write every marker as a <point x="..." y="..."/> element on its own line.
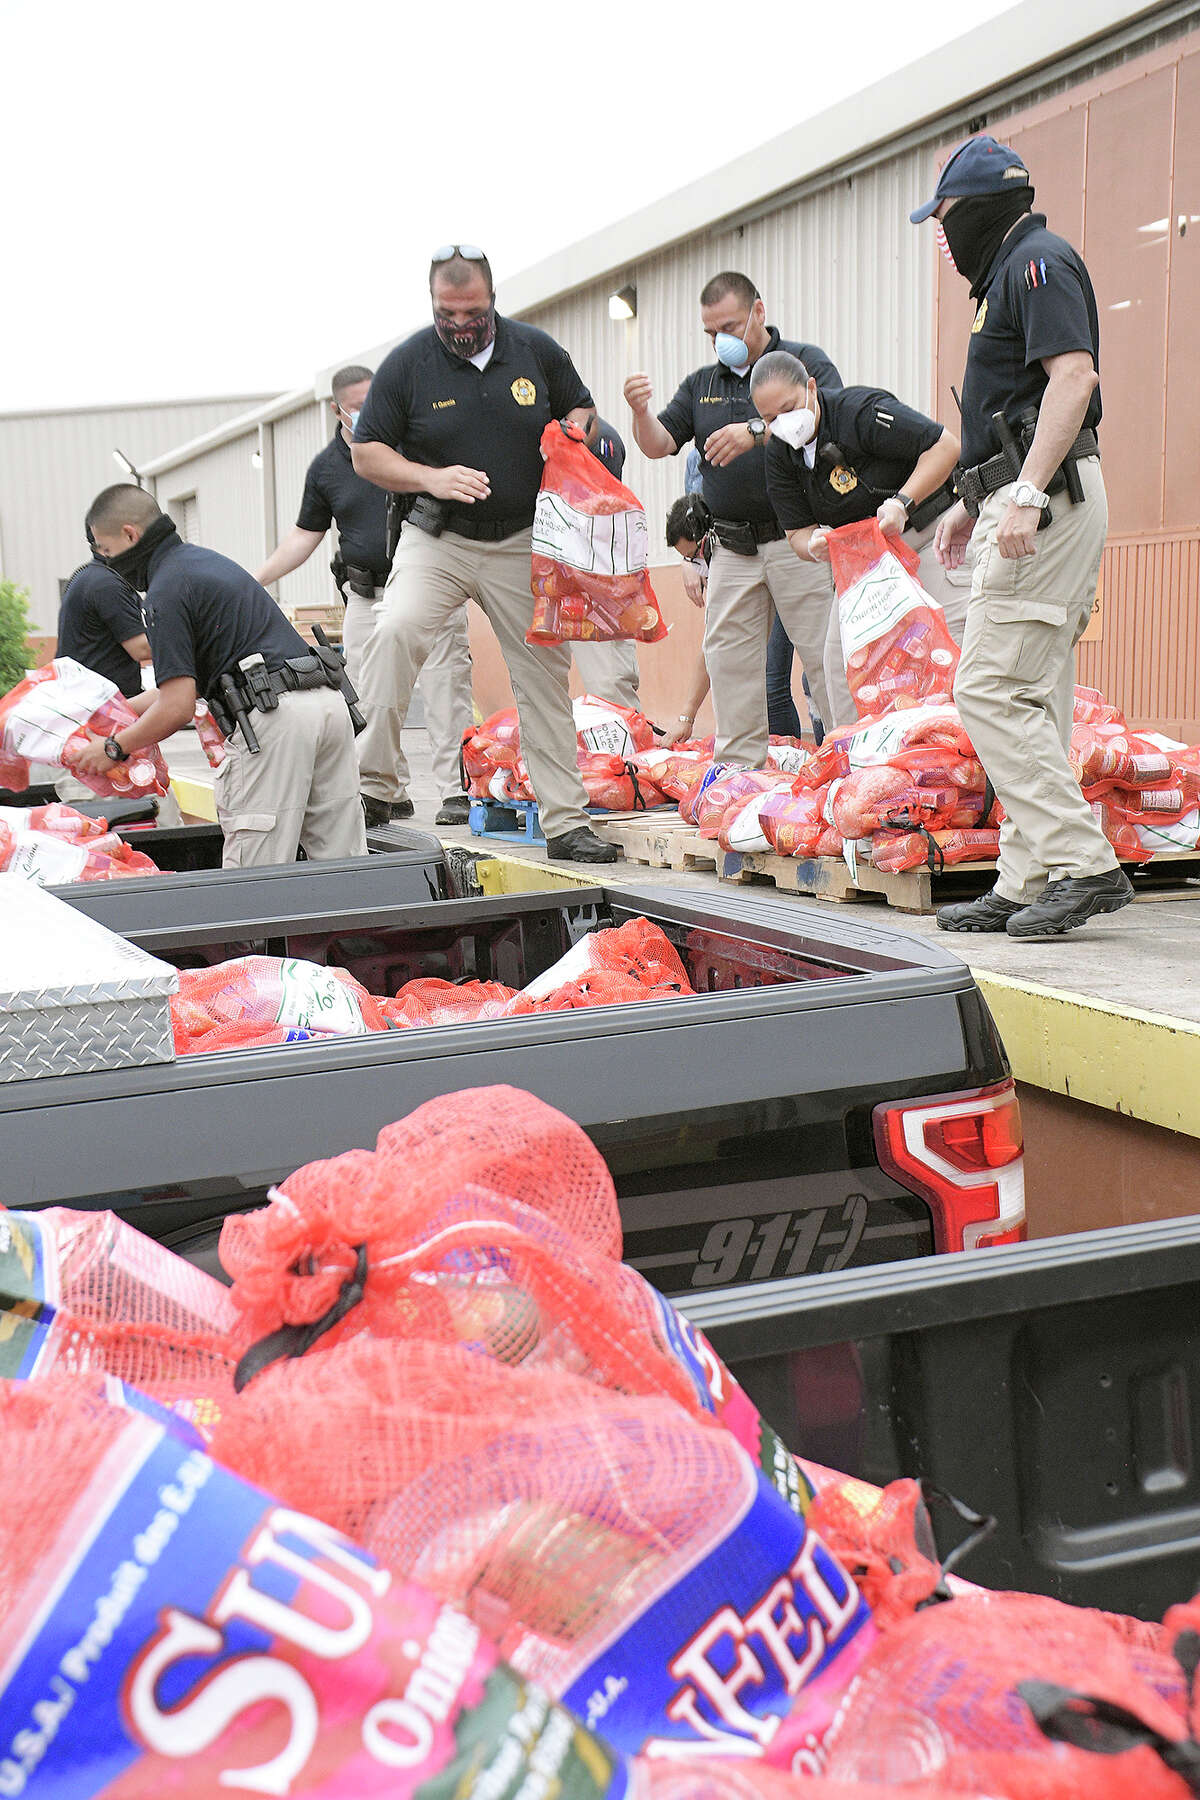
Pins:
<point x="795" y="428"/>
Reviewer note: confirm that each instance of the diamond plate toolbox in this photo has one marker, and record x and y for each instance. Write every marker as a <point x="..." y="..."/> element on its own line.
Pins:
<point x="74" y="996"/>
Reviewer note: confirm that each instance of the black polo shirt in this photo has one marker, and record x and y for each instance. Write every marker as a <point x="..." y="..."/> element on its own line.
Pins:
<point x="99" y="613"/>
<point x="204" y="613"/>
<point x="714" y="396"/>
<point x="335" y="495"/>
<point x="610" y="449"/>
<point x="868" y="443"/>
<point x="438" y="409"/>
<point x="1038" y="303"/>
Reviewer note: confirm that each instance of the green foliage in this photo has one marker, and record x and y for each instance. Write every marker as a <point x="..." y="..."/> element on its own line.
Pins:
<point x="14" y="630"/>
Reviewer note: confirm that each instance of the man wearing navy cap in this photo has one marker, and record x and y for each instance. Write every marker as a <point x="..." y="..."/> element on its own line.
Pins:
<point x="1030" y="408"/>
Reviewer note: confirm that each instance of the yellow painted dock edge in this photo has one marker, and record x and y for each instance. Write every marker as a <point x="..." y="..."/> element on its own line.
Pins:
<point x="1143" y="1064"/>
<point x="195" y="797"/>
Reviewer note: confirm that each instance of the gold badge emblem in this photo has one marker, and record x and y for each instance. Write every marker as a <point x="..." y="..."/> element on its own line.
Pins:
<point x="980" y="317"/>
<point x="843" y="480"/>
<point x="523" y="391"/>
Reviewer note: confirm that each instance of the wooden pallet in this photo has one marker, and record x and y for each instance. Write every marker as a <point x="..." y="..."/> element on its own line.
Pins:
<point x="919" y="890"/>
<point x="661" y="840"/>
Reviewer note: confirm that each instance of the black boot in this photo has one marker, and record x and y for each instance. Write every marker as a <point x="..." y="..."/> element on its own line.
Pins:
<point x="991" y="912"/>
<point x="1072" y="901"/>
<point x="580" y="845"/>
<point x="376" y="812"/>
<point x="401" y="809"/>
<point x="454" y="810"/>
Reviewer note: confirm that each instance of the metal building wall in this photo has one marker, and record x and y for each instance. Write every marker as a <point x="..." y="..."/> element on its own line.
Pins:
<point x="840" y="267"/>
<point x="296" y="438"/>
<point x="228" y="492"/>
<point x="52" y="465"/>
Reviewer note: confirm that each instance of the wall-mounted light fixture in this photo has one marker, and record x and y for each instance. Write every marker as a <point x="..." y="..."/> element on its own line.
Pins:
<point x="123" y="462"/>
<point x="623" y="304"/>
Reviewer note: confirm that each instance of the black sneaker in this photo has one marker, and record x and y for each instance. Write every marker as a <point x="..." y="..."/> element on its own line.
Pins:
<point x="401" y="809"/>
<point x="991" y="912"/>
<point x="1070" y="902"/>
<point x="376" y="812"/>
<point x="454" y="810"/>
<point x="580" y="845"/>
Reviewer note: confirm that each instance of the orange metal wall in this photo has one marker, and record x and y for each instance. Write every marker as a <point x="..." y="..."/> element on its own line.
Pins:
<point x="1116" y="166"/>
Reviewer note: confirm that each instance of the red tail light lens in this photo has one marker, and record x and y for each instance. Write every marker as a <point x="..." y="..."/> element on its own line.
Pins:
<point x="964" y="1154"/>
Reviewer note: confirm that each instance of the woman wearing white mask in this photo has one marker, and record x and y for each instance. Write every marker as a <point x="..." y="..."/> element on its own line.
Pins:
<point x="838" y="455"/>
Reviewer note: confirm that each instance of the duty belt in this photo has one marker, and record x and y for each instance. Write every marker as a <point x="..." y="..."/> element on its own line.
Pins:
<point x="745" y="535"/>
<point x="366" y="577"/>
<point x="974" y="485"/>
<point x="931" y="508"/>
<point x="487" y="531"/>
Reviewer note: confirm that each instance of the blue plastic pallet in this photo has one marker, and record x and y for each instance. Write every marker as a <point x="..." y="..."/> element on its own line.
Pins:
<point x="512" y="821"/>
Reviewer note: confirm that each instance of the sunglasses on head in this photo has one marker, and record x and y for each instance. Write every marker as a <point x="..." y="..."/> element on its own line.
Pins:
<point x="469" y="252"/>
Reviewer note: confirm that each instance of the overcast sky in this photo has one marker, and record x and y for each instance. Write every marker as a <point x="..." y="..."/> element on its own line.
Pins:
<point x="223" y="196"/>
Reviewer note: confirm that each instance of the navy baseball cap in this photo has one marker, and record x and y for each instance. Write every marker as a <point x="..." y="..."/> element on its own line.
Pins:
<point x="980" y="166"/>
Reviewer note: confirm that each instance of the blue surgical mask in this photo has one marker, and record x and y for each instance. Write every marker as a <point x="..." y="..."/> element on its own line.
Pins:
<point x="349" y="419"/>
<point x="732" y="350"/>
<point x="354" y="417"/>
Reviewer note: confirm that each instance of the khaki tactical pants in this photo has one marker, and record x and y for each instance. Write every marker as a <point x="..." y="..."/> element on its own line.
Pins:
<point x="432" y="580"/>
<point x="69" y="790"/>
<point x="445" y="686"/>
<point x="737" y="625"/>
<point x="1015" y="686"/>
<point x="610" y="671"/>
<point x="301" y="788"/>
<point x="951" y="590"/>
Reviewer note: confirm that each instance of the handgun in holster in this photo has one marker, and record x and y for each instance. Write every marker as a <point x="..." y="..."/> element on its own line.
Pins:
<point x="334" y="663"/>
<point x="1014" y="455"/>
<point x="233" y="706"/>
<point x="255" y="679"/>
<point x="1066" y="469"/>
<point x="398" y="508"/>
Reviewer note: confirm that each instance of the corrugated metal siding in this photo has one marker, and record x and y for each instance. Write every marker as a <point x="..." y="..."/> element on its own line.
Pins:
<point x="52" y="467"/>
<point x="841" y="268"/>
<point x="297" y="438"/>
<point x="228" y="490"/>
<point x="1147" y="659"/>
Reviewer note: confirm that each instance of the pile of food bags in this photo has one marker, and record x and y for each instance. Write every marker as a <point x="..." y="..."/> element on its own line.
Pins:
<point x="612" y="741"/>
<point x="441" y="1497"/>
<point x="46" y="719"/>
<point x="265" y="1000"/>
<point x="55" y="845"/>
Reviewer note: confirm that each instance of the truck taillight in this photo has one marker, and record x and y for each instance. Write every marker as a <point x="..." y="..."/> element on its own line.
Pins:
<point x="965" y="1155"/>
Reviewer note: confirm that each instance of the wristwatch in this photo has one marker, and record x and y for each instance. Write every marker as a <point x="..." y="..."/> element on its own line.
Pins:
<point x="905" y="501"/>
<point x="1025" y="494"/>
<point x="114" y="752"/>
<point x="757" y="428"/>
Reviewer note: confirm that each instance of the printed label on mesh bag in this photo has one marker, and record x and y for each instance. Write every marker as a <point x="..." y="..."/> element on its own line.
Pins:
<point x="28" y="1294"/>
<point x="604" y="733"/>
<point x="313" y="999"/>
<point x="745" y="1655"/>
<point x="722" y="1396"/>
<point x="198" y="1639"/>
<point x="47" y="861"/>
<point x="876" y="602"/>
<point x="596" y="543"/>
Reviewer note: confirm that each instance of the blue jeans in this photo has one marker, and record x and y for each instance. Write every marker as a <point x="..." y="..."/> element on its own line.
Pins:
<point x="782" y="718"/>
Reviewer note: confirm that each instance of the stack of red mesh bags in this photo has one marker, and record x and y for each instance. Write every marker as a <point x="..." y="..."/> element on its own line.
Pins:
<point x="1144" y="788"/>
<point x="55" y="845"/>
<point x="46" y="718"/>
<point x="472" y="1471"/>
<point x="610" y="739"/>
<point x="267" y="1000"/>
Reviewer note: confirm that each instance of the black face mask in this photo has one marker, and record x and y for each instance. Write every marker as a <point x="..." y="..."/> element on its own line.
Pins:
<point x="134" y="564"/>
<point x="976" y="227"/>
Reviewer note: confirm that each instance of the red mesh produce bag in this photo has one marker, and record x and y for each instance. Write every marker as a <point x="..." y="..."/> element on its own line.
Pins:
<point x="1091" y="708"/>
<point x="491" y="753"/>
<point x="617" y="785"/>
<point x="46" y="718"/>
<point x="664" y="766"/>
<point x="895" y="850"/>
<point x="54" y="820"/>
<point x="175" y="1631"/>
<point x="735" y="785"/>
<point x="866" y="798"/>
<point x="590" y="551"/>
<point x="940" y="1699"/>
<point x="602" y="728"/>
<point x="742" y="825"/>
<point x="894" y="635"/>
<point x="50" y="860"/>
<point x="616" y="1549"/>
<point x="430" y="1001"/>
<point x="1095" y="757"/>
<point x="271" y="990"/>
<point x="793" y="823"/>
<point x="692" y="781"/>
<point x="637" y="949"/>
